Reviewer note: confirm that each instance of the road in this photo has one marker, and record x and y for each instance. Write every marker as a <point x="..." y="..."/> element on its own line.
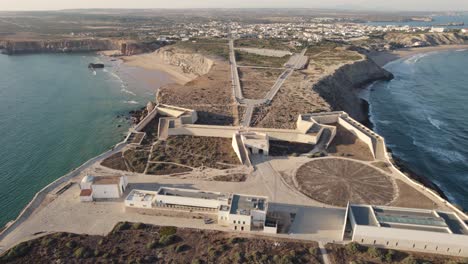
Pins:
<point x="234" y="73"/>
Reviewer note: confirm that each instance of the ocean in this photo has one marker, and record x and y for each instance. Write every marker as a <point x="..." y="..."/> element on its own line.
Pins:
<point x="437" y="20"/>
<point x="422" y="115"/>
<point x="55" y="114"/>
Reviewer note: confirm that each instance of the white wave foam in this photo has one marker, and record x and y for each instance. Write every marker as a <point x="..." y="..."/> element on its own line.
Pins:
<point x="131" y="102"/>
<point x="436" y="123"/>
<point x="94" y="73"/>
<point x="414" y="59"/>
<point x="447" y="155"/>
<point x="127" y="91"/>
<point x="385" y="122"/>
<point x="460" y="50"/>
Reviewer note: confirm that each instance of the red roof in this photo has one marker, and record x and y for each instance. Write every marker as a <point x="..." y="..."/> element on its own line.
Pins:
<point x="86" y="192"/>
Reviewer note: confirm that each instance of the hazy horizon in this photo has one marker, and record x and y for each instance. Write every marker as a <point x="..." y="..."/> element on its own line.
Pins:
<point x="365" y="5"/>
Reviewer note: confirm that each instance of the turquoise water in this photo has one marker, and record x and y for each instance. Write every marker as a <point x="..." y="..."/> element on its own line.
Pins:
<point x="422" y="114"/>
<point x="54" y="115"/>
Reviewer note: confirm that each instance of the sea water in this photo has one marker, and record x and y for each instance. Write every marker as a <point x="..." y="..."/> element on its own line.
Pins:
<point x="55" y="114"/>
<point x="423" y="115"/>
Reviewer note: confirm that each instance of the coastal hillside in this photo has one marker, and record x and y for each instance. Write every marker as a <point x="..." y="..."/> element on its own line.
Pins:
<point x="424" y="39"/>
<point x="338" y="88"/>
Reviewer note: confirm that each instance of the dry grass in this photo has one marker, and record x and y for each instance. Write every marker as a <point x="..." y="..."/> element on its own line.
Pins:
<point x="196" y="152"/>
<point x="340" y="254"/>
<point x="346" y="144"/>
<point x="409" y="197"/>
<point x="210" y="94"/>
<point x="251" y="59"/>
<point x="256" y="83"/>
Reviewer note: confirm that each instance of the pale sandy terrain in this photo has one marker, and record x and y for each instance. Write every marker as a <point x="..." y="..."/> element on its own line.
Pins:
<point x="382" y="58"/>
<point x="266" y="52"/>
<point x="152" y="61"/>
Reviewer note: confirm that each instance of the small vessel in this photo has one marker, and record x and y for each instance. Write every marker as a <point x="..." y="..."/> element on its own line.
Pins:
<point x="95" y="65"/>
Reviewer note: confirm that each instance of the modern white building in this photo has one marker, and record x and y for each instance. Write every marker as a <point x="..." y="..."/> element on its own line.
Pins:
<point x="421" y="230"/>
<point x="236" y="211"/>
<point x="102" y="187"/>
<point x="438" y="30"/>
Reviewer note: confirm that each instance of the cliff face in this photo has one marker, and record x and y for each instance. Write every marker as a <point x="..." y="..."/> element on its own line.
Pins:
<point x="339" y="88"/>
<point x="191" y="63"/>
<point x="57" y="46"/>
<point x="425" y="39"/>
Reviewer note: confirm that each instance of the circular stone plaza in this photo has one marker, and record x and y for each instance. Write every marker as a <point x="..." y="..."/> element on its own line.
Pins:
<point x="335" y="181"/>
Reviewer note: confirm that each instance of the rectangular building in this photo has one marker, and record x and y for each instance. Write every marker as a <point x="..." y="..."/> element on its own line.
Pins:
<point x="421" y="230"/>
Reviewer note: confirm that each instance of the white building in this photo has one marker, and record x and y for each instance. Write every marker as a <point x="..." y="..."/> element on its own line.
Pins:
<point x="236" y="211"/>
<point x="464" y="30"/>
<point x="421" y="230"/>
<point x="438" y="30"/>
<point x="102" y="187"/>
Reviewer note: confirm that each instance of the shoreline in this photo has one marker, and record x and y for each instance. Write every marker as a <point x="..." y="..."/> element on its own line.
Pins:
<point x="384" y="58"/>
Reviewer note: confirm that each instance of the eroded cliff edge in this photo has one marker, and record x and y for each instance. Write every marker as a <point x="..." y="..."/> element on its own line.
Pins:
<point x="340" y="88"/>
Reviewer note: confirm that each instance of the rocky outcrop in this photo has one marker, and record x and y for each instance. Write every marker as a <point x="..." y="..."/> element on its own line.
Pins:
<point x="191" y="63"/>
<point x="129" y="48"/>
<point x="339" y="88"/>
<point x="424" y="39"/>
<point x="57" y="46"/>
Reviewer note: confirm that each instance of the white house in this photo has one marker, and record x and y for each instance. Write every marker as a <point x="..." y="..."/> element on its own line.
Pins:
<point x="464" y="30"/>
<point x="102" y="187"/>
<point x="438" y="30"/>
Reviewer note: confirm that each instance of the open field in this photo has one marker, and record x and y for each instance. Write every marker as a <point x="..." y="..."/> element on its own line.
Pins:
<point x="209" y="47"/>
<point x="276" y="44"/>
<point x="210" y="95"/>
<point x="346" y="144"/>
<point x="336" y="181"/>
<point x="355" y="253"/>
<point x="327" y="54"/>
<point x="256" y="83"/>
<point x="294" y="97"/>
<point x="249" y="59"/>
<point x="140" y="243"/>
<point x="196" y="151"/>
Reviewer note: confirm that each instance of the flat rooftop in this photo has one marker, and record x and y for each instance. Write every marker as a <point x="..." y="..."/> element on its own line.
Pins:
<point x="140" y="196"/>
<point x="192" y="194"/>
<point x="106" y="179"/>
<point x="243" y="205"/>
<point x="412" y="219"/>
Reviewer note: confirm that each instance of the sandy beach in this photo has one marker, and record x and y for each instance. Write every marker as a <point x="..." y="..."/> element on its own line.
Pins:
<point x="152" y="61"/>
<point x="382" y="58"/>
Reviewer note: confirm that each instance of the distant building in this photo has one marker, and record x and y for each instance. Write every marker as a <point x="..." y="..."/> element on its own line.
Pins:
<point x="102" y="187"/>
<point x="407" y="229"/>
<point x="464" y="30"/>
<point x="438" y="30"/>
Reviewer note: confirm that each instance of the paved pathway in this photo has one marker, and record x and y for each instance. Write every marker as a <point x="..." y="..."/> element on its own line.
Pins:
<point x="323" y="253"/>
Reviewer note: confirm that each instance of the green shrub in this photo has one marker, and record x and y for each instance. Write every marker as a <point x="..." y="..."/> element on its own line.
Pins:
<point x="121" y="226"/>
<point x="46" y="241"/>
<point x="181" y="248"/>
<point x="101" y="241"/>
<point x="71" y="244"/>
<point x="167" y="240"/>
<point x="167" y="230"/>
<point x="352" y="248"/>
<point x="137" y="226"/>
<point x="294" y="154"/>
<point x="389" y="255"/>
<point x="96" y="253"/>
<point x="276" y="259"/>
<point x="410" y="260"/>
<point x="152" y="244"/>
<point x="235" y="240"/>
<point x="374" y="252"/>
<point x="313" y="251"/>
<point x="81" y="252"/>
<point x="196" y="261"/>
<point x="20" y="250"/>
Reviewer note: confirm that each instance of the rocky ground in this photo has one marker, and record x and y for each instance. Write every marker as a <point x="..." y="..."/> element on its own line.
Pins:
<point x="355" y="253"/>
<point x="140" y="243"/>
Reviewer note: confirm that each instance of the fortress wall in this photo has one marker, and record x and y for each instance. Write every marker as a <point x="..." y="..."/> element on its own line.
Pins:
<point x="327" y="118"/>
<point x="140" y="126"/>
<point x="370" y="141"/>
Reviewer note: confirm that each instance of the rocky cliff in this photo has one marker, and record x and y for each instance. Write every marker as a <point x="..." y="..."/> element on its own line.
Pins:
<point x="339" y="88"/>
<point x="57" y="46"/>
<point x="189" y="63"/>
<point x="424" y="39"/>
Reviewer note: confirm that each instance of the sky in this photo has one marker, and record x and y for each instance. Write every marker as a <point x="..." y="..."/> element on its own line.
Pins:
<point x="383" y="5"/>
